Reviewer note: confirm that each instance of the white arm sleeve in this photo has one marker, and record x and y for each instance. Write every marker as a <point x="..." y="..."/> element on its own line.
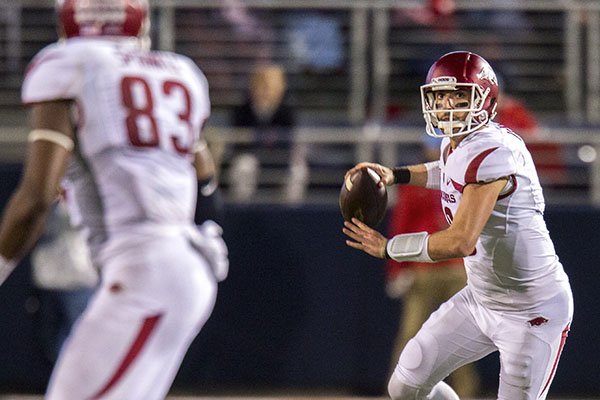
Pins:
<point x="409" y="247"/>
<point x="433" y="175"/>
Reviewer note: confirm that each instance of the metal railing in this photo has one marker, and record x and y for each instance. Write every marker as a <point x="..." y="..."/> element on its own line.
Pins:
<point x="388" y="145"/>
<point x="374" y="74"/>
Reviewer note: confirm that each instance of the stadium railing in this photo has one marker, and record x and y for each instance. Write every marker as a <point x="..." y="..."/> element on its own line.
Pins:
<point x="574" y="178"/>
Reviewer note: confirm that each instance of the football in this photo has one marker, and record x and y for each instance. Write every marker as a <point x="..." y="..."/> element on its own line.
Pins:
<point x="362" y="198"/>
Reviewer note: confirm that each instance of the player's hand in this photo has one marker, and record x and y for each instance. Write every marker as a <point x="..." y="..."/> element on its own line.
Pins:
<point x="208" y="241"/>
<point x="386" y="174"/>
<point x="365" y="238"/>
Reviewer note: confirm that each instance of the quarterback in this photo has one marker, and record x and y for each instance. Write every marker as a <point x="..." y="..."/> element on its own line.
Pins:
<point x="120" y="125"/>
<point x="517" y="300"/>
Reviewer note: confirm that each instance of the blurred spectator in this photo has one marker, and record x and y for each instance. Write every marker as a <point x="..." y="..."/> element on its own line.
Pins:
<point x="438" y="19"/>
<point x="504" y="18"/>
<point x="273" y="121"/>
<point x="548" y="157"/>
<point x="439" y="14"/>
<point x="264" y="107"/>
<point x="514" y="114"/>
<point x="423" y="287"/>
<point x="316" y="42"/>
<point x="65" y="278"/>
<point x="249" y="29"/>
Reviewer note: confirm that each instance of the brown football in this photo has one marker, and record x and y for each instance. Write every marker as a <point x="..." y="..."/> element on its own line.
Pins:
<point x="362" y="198"/>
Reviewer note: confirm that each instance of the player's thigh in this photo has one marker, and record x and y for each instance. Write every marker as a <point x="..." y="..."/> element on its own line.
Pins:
<point x="449" y="339"/>
<point x="144" y="315"/>
<point x="530" y="346"/>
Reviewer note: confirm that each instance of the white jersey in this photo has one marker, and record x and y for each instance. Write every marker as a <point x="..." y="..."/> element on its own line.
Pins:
<point x="514" y="266"/>
<point x="138" y="115"/>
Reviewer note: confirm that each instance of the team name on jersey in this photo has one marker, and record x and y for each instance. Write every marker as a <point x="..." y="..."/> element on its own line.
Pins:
<point x="448" y="197"/>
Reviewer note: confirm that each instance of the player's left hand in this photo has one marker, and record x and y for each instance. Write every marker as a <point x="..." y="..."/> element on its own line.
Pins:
<point x="385" y="173"/>
<point x="365" y="238"/>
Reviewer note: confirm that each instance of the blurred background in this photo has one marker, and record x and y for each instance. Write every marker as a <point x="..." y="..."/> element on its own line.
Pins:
<point x="301" y="90"/>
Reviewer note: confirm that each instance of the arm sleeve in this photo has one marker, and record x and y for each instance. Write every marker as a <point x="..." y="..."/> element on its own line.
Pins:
<point x="433" y="175"/>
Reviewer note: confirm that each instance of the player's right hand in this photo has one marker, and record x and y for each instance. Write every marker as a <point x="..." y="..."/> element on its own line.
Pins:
<point x="386" y="174"/>
<point x="207" y="239"/>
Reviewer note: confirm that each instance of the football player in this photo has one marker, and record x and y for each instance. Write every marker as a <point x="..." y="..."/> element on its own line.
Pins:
<point x="517" y="300"/>
<point x="122" y="124"/>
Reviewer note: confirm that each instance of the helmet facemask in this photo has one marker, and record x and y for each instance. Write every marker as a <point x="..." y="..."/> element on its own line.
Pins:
<point x="475" y="116"/>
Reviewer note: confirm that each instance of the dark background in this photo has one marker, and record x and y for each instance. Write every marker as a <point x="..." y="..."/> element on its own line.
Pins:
<point x="301" y="311"/>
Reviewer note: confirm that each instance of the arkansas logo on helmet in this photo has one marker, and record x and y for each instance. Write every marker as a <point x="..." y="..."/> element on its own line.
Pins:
<point x="102" y="17"/>
<point x="487" y="74"/>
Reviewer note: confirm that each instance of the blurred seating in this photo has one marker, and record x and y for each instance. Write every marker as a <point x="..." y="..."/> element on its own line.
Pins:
<point x="227" y="39"/>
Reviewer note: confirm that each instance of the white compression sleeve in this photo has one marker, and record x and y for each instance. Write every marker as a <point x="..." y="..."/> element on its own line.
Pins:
<point x="433" y="175"/>
<point x="409" y="247"/>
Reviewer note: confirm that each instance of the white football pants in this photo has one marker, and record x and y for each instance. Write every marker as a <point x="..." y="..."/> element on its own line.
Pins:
<point x="462" y="331"/>
<point x="129" y="343"/>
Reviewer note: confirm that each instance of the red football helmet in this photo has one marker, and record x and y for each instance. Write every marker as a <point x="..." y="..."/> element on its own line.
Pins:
<point x="460" y="70"/>
<point x="129" y="18"/>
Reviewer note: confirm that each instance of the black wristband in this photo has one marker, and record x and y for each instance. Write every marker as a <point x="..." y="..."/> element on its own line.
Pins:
<point x="401" y="175"/>
<point x="209" y="203"/>
<point x="387" y="255"/>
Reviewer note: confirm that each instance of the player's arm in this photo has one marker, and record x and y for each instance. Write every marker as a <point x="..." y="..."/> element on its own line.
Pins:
<point x="476" y="205"/>
<point x="50" y="144"/>
<point x="209" y="213"/>
<point x="458" y="240"/>
<point x="423" y="175"/>
<point x="203" y="161"/>
<point x="209" y="201"/>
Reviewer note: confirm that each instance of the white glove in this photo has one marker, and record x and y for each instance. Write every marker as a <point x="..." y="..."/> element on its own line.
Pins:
<point x="207" y="239"/>
<point x="6" y="268"/>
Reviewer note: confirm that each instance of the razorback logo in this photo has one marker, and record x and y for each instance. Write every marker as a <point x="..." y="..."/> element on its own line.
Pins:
<point x="537" y="321"/>
<point x="487" y="74"/>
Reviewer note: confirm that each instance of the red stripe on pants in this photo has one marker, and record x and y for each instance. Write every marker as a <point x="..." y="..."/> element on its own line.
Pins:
<point x="145" y="331"/>
<point x="563" y="339"/>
